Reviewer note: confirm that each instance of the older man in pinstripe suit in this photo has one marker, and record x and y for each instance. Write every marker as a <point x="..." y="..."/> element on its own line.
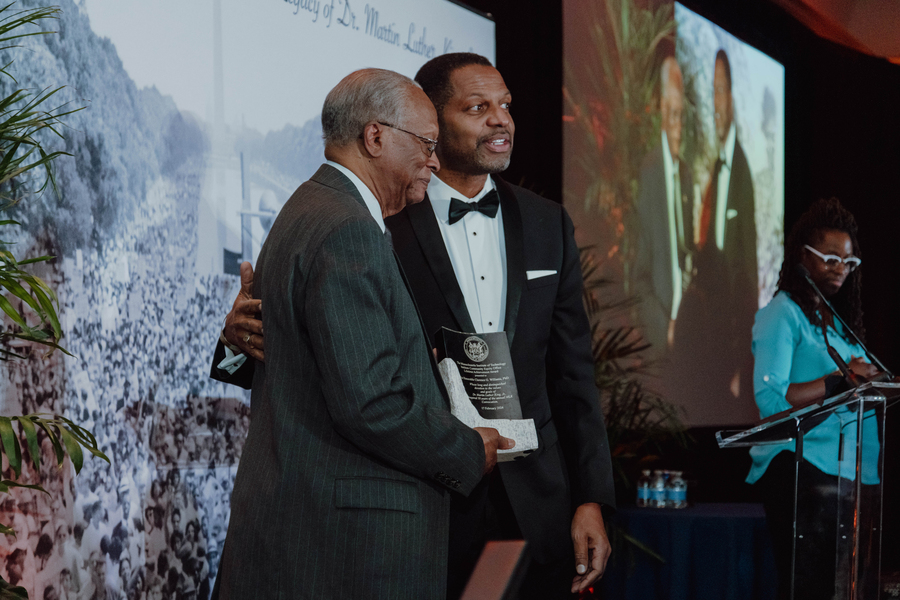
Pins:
<point x="343" y="488"/>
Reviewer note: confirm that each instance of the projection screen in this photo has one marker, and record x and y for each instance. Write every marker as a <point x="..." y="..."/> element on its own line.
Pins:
<point x="645" y="144"/>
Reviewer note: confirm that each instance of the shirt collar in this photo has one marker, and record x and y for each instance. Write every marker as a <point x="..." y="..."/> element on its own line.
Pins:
<point x="368" y="197"/>
<point x="439" y="194"/>
<point x="670" y="165"/>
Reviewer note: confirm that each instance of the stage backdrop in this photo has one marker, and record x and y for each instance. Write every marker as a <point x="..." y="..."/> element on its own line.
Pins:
<point x="201" y="119"/>
<point x="619" y="189"/>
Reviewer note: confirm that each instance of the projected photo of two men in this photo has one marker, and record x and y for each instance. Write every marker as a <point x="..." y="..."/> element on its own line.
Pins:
<point x="674" y="161"/>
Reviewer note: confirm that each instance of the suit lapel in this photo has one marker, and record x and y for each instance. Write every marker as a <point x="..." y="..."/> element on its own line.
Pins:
<point x="734" y="187"/>
<point x="424" y="224"/>
<point x="513" y="234"/>
<point x="331" y="177"/>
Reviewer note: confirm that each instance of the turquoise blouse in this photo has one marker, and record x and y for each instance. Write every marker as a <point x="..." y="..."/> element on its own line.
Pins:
<point x="787" y="349"/>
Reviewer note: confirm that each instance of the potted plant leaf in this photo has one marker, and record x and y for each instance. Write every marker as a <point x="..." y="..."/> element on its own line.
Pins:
<point x="30" y="306"/>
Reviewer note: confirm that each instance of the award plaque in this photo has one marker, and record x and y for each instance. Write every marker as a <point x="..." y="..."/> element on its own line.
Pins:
<point x="486" y="370"/>
<point x="478" y="373"/>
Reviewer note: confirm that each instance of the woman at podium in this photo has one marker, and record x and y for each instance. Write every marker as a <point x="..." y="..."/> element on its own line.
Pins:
<point x="792" y="367"/>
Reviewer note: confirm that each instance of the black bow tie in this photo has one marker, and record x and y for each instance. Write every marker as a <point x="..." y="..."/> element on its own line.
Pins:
<point x="487" y="206"/>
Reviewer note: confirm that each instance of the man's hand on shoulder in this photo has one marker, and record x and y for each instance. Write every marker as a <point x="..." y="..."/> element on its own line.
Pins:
<point x="493" y="441"/>
<point x="243" y="325"/>
<point x="592" y="548"/>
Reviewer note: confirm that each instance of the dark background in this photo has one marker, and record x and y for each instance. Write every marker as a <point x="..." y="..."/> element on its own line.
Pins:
<point x="842" y="138"/>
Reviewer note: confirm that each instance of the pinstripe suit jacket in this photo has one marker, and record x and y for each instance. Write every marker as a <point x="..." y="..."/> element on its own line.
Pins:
<point x="342" y="488"/>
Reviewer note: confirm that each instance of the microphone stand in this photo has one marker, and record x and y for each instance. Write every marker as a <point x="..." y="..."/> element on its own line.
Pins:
<point x="849" y="376"/>
<point x="870" y="356"/>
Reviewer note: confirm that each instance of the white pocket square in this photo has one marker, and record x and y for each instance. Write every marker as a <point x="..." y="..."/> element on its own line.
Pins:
<point x="536" y="274"/>
<point x="730" y="214"/>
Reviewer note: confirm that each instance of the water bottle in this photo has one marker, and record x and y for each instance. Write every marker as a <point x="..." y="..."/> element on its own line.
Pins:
<point x="643" y="489"/>
<point x="658" y="490"/>
<point x="676" y="491"/>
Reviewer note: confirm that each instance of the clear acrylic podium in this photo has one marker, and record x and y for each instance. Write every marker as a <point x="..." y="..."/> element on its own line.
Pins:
<point x="850" y="510"/>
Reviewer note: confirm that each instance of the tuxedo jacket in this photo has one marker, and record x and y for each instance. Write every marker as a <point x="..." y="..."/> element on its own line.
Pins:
<point x="715" y="320"/>
<point x="653" y="263"/>
<point x="343" y="488"/>
<point x="550" y="343"/>
<point x="740" y="230"/>
<point x="728" y="278"/>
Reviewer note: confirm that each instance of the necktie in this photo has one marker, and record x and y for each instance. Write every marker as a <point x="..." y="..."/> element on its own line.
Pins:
<point x="710" y="206"/>
<point x="487" y="206"/>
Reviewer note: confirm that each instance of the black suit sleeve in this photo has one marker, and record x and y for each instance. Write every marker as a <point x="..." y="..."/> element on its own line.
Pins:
<point x="243" y="377"/>
<point x="652" y="248"/>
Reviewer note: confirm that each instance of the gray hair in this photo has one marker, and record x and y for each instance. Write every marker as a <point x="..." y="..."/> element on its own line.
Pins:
<point x="362" y="97"/>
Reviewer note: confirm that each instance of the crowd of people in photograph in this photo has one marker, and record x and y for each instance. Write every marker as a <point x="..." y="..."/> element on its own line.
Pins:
<point x="139" y="323"/>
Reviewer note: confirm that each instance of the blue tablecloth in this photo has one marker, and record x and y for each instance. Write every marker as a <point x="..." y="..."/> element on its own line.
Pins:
<point x="712" y="551"/>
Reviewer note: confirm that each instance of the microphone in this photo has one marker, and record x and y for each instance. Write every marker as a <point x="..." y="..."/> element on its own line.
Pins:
<point x="852" y="378"/>
<point x="804" y="272"/>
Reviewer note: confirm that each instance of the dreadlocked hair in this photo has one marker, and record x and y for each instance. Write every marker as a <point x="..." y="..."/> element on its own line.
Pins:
<point x="821" y="216"/>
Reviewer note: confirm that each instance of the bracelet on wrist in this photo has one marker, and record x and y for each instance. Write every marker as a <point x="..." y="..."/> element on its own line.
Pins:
<point x="227" y="344"/>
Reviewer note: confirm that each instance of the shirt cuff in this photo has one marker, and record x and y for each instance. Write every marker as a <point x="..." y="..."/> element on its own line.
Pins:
<point x="232" y="362"/>
<point x="234" y="358"/>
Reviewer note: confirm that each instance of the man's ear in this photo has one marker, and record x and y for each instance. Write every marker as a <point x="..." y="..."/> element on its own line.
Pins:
<point x="373" y="138"/>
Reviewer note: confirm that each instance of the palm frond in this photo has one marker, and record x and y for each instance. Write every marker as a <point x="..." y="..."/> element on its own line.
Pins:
<point x="26" y="117"/>
<point x="638" y="421"/>
<point x="28" y="303"/>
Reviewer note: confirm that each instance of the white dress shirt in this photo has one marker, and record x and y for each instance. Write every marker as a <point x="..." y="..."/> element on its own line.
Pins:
<point x="676" y="222"/>
<point x="726" y="155"/>
<point x="232" y="362"/>
<point x="477" y="252"/>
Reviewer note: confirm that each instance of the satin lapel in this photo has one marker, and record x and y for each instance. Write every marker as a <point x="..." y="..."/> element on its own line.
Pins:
<point x="515" y="254"/>
<point x="425" y="226"/>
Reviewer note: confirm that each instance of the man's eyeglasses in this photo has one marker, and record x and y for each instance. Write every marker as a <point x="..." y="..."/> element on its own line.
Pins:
<point x="835" y="262"/>
<point x="430" y="144"/>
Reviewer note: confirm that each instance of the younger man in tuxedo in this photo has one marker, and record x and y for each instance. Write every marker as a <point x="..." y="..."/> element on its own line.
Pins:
<point x="712" y="339"/>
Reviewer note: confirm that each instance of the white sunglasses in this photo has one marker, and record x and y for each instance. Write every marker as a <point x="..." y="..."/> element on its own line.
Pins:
<point x="835" y="262"/>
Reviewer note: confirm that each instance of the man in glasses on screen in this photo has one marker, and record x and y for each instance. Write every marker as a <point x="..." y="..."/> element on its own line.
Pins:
<point x="665" y="209"/>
